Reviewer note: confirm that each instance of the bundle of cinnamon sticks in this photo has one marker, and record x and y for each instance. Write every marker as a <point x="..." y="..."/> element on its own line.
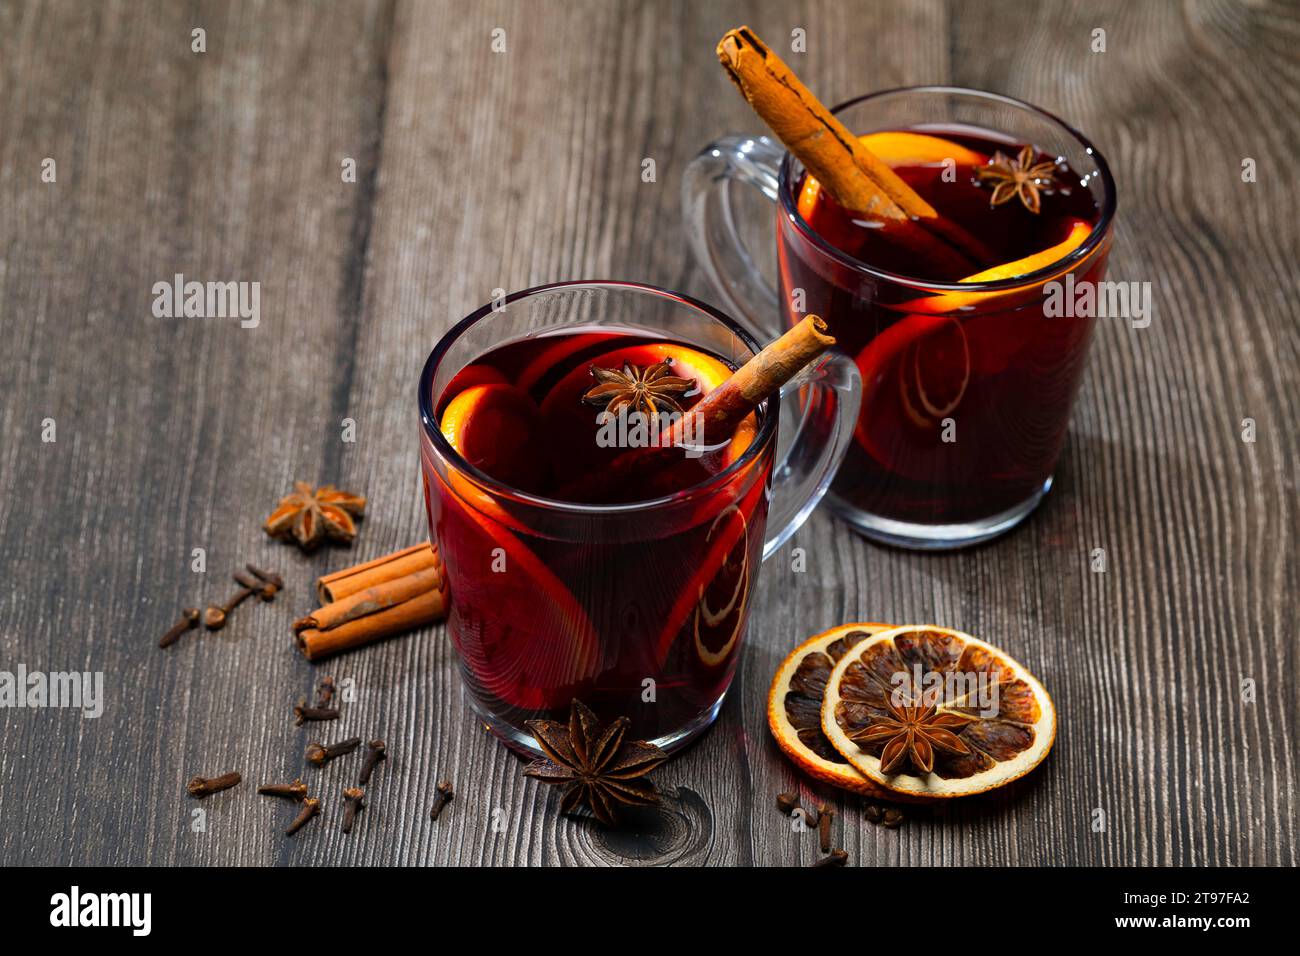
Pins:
<point x="371" y="601"/>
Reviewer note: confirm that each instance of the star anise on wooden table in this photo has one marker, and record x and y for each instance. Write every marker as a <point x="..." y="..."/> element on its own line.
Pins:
<point x="1017" y="177"/>
<point x="641" y="389"/>
<point x="594" y="764"/>
<point x="309" y="516"/>
<point x="912" y="731"/>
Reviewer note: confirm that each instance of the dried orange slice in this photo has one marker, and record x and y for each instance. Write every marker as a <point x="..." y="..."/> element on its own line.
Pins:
<point x="929" y="712"/>
<point x="794" y="707"/>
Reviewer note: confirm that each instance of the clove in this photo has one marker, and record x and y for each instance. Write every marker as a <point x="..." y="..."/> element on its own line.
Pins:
<point x="263" y="590"/>
<point x="302" y="713"/>
<point x="189" y="620"/>
<point x="204" y="786"/>
<point x="321" y="754"/>
<point x="353" y="803"/>
<point x="893" y="818"/>
<point x="214" y="617"/>
<point x="824" y="814"/>
<point x="441" y="799"/>
<point x="310" y="807"/>
<point x="293" y="791"/>
<point x="270" y="577"/>
<point x="873" y="813"/>
<point x="376" y="751"/>
<point x="787" y="803"/>
<point x="837" y="858"/>
<point x="325" y="693"/>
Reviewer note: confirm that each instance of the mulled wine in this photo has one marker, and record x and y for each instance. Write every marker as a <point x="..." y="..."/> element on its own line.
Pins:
<point x="562" y="587"/>
<point x="966" y="394"/>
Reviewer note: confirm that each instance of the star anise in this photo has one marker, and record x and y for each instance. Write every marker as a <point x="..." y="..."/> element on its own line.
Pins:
<point x="640" y="389"/>
<point x="594" y="764"/>
<point x="310" y="516"/>
<point x="1016" y="177"/>
<point x="912" y="731"/>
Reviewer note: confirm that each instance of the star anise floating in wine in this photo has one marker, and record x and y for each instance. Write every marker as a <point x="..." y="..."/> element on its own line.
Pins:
<point x="594" y="764"/>
<point x="648" y="389"/>
<point x="1018" y="177"/>
<point x="309" y="516"/>
<point x="912" y="731"/>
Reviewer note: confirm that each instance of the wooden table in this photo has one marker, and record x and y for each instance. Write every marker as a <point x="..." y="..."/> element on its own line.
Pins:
<point x="478" y="170"/>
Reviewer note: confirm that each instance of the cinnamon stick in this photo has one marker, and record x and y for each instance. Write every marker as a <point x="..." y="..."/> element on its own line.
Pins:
<point x="722" y="410"/>
<point x="341" y="584"/>
<point x="423" y="609"/>
<point x="377" y="597"/>
<point x="374" y="600"/>
<point x="858" y="179"/>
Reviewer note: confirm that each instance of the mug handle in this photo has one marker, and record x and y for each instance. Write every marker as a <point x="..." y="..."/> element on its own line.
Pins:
<point x="711" y="225"/>
<point x="822" y="402"/>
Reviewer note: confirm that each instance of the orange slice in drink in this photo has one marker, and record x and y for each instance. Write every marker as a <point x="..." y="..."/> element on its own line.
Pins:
<point x="895" y="148"/>
<point x="1080" y="230"/>
<point x="719" y="615"/>
<point x="977" y="719"/>
<point x="901" y="148"/>
<point x="710" y="610"/>
<point x="794" y="707"/>
<point x="472" y="375"/>
<point x="926" y="356"/>
<point x="561" y="648"/>
<point x="497" y="429"/>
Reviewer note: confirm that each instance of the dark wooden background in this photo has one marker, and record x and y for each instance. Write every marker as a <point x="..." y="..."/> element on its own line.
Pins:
<point x="479" y="170"/>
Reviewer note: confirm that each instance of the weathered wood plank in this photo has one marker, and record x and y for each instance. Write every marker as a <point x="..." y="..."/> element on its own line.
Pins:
<point x="480" y="170"/>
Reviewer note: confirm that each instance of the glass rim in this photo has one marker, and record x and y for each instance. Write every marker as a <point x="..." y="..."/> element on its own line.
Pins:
<point x="499" y="488"/>
<point x="785" y="196"/>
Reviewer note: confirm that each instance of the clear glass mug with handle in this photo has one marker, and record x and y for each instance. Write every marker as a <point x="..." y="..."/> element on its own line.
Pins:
<point x="637" y="609"/>
<point x="965" y="406"/>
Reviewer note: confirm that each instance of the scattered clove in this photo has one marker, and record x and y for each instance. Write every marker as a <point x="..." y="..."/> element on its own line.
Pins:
<point x="270" y="577"/>
<point x="294" y="791"/>
<point x="310" y="807"/>
<point x="353" y="803"/>
<point x="262" y="589"/>
<point x="837" y="858"/>
<point x="214" y="617"/>
<point x="203" y="786"/>
<point x="787" y="803"/>
<point x="321" y="754"/>
<point x="824" y="815"/>
<point x="873" y="813"/>
<point x="302" y="713"/>
<point x="325" y="693"/>
<point x="893" y="818"/>
<point x="376" y="751"/>
<point x="441" y="799"/>
<point x="189" y="620"/>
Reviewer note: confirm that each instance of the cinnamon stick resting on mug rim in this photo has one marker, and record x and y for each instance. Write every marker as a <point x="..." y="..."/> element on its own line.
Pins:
<point x="722" y="410"/>
<point x="858" y="179"/>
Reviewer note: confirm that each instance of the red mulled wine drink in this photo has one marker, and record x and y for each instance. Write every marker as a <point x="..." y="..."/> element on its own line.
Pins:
<point x="643" y="622"/>
<point x="966" y="395"/>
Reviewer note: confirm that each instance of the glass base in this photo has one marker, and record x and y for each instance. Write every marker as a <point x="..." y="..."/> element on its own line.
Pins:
<point x="936" y="537"/>
<point x="520" y="740"/>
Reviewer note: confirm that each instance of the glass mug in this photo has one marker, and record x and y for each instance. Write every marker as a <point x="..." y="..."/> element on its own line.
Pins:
<point x="635" y="609"/>
<point x="922" y="472"/>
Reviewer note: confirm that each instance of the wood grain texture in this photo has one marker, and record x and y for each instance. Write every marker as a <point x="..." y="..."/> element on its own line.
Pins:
<point x="480" y="170"/>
